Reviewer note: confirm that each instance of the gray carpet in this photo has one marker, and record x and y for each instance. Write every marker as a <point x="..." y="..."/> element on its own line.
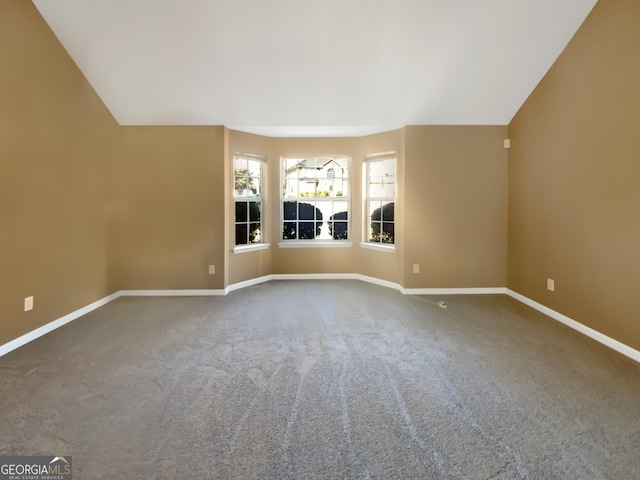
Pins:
<point x="322" y="379"/>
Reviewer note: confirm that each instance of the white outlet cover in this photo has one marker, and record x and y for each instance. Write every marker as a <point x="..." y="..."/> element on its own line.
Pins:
<point x="28" y="304"/>
<point x="212" y="269"/>
<point x="551" y="284"/>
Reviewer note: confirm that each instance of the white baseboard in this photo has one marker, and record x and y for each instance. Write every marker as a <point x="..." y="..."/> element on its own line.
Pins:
<point x="368" y="279"/>
<point x="335" y="276"/>
<point x="49" y="327"/>
<point x="378" y="281"/>
<point x="312" y="276"/>
<point x="248" y="283"/>
<point x="569" y="322"/>
<point x="172" y="293"/>
<point x="455" y="291"/>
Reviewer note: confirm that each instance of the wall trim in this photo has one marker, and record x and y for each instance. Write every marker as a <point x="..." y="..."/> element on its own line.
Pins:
<point x="336" y="276"/>
<point x="368" y="279"/>
<point x="51" y="326"/>
<point x="379" y="281"/>
<point x="312" y="276"/>
<point x="173" y="293"/>
<point x="247" y="283"/>
<point x="571" y="323"/>
<point x="455" y="291"/>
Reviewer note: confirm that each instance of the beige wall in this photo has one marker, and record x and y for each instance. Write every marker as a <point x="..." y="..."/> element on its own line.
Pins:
<point x="574" y="178"/>
<point x="56" y="140"/>
<point x="455" y="206"/>
<point x="167" y="221"/>
<point x="254" y="264"/>
<point x="380" y="264"/>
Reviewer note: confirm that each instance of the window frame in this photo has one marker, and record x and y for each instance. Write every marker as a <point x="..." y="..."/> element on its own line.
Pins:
<point x="248" y="199"/>
<point x="368" y="198"/>
<point x="326" y="240"/>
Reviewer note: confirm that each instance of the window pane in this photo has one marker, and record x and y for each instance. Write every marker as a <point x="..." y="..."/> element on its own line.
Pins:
<point x="388" y="212"/>
<point x="241" y="234"/>
<point x="253" y="187"/>
<point x="306" y="211"/>
<point x="375" y="210"/>
<point x="254" y="233"/>
<point x="388" y="188"/>
<point x="240" y="185"/>
<point x="291" y="188"/>
<point x="290" y="164"/>
<point x="387" y="232"/>
<point x="342" y="188"/>
<point x="339" y="230"/>
<point x="307" y="230"/>
<point x="254" y="211"/>
<point x="241" y="211"/>
<point x="340" y="208"/>
<point x="339" y="189"/>
<point x="375" y="187"/>
<point x="374" y="232"/>
<point x="389" y="167"/>
<point x="307" y="189"/>
<point x="290" y="210"/>
<point x="376" y="169"/>
<point x="240" y="163"/>
<point x="255" y="168"/>
<point x="242" y="181"/>
<point x="307" y="173"/>
<point x="289" y="231"/>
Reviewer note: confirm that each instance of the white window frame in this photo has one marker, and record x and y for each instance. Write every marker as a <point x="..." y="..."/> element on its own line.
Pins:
<point x="383" y="199"/>
<point x="325" y="239"/>
<point x="244" y="196"/>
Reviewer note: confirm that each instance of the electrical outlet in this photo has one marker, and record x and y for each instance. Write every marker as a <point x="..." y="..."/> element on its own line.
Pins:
<point x="551" y="284"/>
<point x="416" y="268"/>
<point x="28" y="304"/>
<point x="212" y="269"/>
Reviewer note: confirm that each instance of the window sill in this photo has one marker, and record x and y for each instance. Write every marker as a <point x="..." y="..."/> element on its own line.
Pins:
<point x="315" y="244"/>
<point x="251" y="248"/>
<point x="379" y="247"/>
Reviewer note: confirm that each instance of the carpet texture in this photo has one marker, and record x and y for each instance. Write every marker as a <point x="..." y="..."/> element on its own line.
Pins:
<point x="323" y="379"/>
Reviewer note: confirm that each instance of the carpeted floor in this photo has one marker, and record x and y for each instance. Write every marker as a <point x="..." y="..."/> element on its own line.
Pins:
<point x="322" y="379"/>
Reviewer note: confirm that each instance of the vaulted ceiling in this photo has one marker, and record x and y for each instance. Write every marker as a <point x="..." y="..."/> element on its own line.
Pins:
<point x="322" y="68"/>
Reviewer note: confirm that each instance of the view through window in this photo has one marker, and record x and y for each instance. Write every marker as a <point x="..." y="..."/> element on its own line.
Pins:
<point x="315" y="198"/>
<point x="247" y="170"/>
<point x="380" y="171"/>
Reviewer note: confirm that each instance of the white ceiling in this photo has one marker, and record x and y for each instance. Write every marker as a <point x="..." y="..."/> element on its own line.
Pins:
<point x="321" y="68"/>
